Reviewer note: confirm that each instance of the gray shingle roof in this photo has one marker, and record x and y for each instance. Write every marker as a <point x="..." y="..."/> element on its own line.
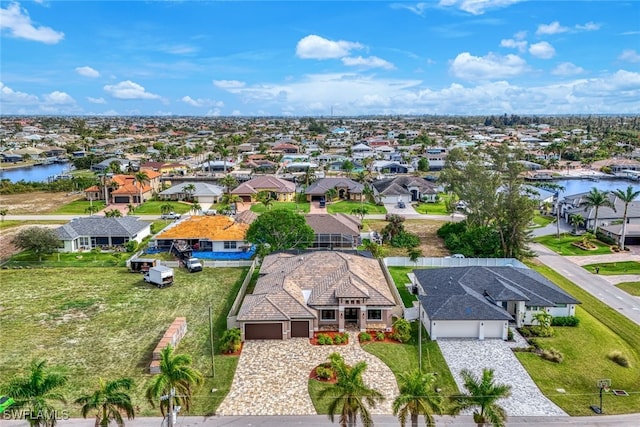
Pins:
<point x="321" y="186"/>
<point x="201" y="189"/>
<point x="266" y="182"/>
<point x="466" y="293"/>
<point x="399" y="186"/>
<point x="334" y="224"/>
<point x="127" y="226"/>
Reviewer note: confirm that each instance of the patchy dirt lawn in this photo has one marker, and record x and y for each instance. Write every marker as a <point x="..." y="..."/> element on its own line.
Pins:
<point x="35" y="203"/>
<point x="430" y="244"/>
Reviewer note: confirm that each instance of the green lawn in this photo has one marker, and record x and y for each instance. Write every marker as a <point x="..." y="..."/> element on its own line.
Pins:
<point x="542" y="221"/>
<point x="105" y="322"/>
<point x="153" y="207"/>
<point x="346" y="206"/>
<point x="439" y="208"/>
<point x="632" y="288"/>
<point x="76" y="259"/>
<point x="292" y="206"/>
<point x="78" y="207"/>
<point x="399" y="275"/>
<point x="564" y="246"/>
<point x="400" y="358"/>
<point x="602" y="329"/>
<point x="9" y="223"/>
<point x="615" y="268"/>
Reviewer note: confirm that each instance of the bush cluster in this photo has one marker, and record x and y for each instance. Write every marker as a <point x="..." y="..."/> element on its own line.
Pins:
<point x="324" y="372"/>
<point x="619" y="358"/>
<point x="325" y="339"/>
<point x="364" y="336"/>
<point x="552" y="355"/>
<point x="405" y="239"/>
<point x="380" y="336"/>
<point x="480" y="242"/>
<point x="230" y="341"/>
<point x="401" y="330"/>
<point x="536" y="331"/>
<point x="565" y="321"/>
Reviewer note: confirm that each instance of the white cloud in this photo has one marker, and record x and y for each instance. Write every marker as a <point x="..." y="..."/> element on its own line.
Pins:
<point x="178" y="49"/>
<point x="236" y="113"/>
<point x="553" y="28"/>
<point x="316" y="47"/>
<point x="629" y="55"/>
<point x="567" y="69"/>
<point x="228" y="84"/>
<point x="87" y="72"/>
<point x="201" y="102"/>
<point x="96" y="100"/>
<point x="542" y="50"/>
<point x="368" y="62"/>
<point x="589" y="26"/>
<point x="520" y="35"/>
<point x="9" y="96"/>
<point x="17" y="22"/>
<point x="58" y="98"/>
<point x="489" y="67"/>
<point x="417" y="8"/>
<point x="521" y="45"/>
<point x="129" y="90"/>
<point x="477" y="7"/>
<point x="213" y="113"/>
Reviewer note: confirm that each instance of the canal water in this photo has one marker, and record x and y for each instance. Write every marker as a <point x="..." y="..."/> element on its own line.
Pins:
<point x="575" y="186"/>
<point x="34" y="173"/>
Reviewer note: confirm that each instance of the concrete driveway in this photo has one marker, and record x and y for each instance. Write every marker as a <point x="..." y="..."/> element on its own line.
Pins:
<point x="272" y="377"/>
<point x="526" y="398"/>
<point x="393" y="208"/>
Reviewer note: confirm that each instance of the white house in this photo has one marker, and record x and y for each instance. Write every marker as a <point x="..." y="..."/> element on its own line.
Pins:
<point x="86" y="233"/>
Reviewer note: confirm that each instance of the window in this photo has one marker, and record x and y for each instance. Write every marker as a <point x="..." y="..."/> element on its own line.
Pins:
<point x="533" y="308"/>
<point x="230" y="245"/>
<point x="328" y="315"/>
<point x="561" y="305"/>
<point x="83" y="242"/>
<point x="374" y="314"/>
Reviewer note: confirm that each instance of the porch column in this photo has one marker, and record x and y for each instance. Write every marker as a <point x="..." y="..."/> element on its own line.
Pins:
<point x="481" y="331"/>
<point x="363" y="319"/>
<point x="340" y="319"/>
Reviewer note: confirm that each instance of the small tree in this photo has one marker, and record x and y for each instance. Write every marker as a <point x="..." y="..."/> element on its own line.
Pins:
<point x="281" y="229"/>
<point x="264" y="197"/>
<point x="483" y="393"/>
<point x="39" y="240"/>
<point x="3" y="212"/>
<point x="402" y="330"/>
<point x="113" y="213"/>
<point x="576" y="221"/>
<point x="360" y="211"/>
<point x="110" y="400"/>
<point x="91" y="209"/>
<point x="417" y="397"/>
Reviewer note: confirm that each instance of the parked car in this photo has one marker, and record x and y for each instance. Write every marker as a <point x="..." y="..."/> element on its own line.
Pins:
<point x="170" y="215"/>
<point x="457" y="256"/>
<point x="401" y="205"/>
<point x="210" y="212"/>
<point x="323" y="202"/>
<point x="193" y="265"/>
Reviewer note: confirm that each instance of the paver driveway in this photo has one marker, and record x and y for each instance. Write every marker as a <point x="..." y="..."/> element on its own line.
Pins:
<point x="272" y="377"/>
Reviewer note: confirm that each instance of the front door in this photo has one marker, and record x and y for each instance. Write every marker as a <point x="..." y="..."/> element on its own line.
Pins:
<point x="351" y="315"/>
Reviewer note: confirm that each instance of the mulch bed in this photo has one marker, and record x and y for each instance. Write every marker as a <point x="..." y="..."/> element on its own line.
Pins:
<point x="332" y="334"/>
<point x="314" y="376"/>
<point x="387" y="338"/>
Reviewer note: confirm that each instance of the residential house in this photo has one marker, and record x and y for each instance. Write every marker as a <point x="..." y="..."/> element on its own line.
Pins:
<point x="86" y="233"/>
<point x="482" y="302"/>
<point x="616" y="165"/>
<point x="576" y="204"/>
<point x="406" y="189"/>
<point x="203" y="192"/>
<point x="218" y="233"/>
<point x="388" y="167"/>
<point x="296" y="295"/>
<point x="164" y="167"/>
<point x="632" y="234"/>
<point x="345" y="188"/>
<point x="278" y="189"/>
<point x="124" y="188"/>
<point x="335" y="231"/>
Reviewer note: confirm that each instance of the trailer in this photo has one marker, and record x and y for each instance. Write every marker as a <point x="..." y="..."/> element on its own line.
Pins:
<point x="142" y="265"/>
<point x="160" y="275"/>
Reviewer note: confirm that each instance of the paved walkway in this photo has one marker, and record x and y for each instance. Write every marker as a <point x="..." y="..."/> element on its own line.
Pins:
<point x="475" y="355"/>
<point x="272" y="377"/>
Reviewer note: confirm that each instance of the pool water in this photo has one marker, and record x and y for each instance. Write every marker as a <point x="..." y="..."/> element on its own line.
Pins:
<point x="225" y="255"/>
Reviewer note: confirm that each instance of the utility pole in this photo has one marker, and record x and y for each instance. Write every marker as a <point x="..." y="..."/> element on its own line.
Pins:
<point x="213" y="364"/>
<point x="419" y="333"/>
<point x="172" y="412"/>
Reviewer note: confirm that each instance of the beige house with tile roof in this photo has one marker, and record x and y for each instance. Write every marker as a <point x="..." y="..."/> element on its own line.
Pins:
<point x="279" y="189"/>
<point x="296" y="295"/>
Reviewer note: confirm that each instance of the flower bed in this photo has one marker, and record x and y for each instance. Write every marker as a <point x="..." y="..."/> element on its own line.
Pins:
<point x="323" y="373"/>
<point x="329" y="338"/>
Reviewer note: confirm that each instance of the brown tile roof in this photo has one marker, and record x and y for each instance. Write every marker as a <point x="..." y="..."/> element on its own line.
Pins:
<point x="265" y="183"/>
<point x="334" y="224"/>
<point x="218" y="227"/>
<point x="246" y="217"/>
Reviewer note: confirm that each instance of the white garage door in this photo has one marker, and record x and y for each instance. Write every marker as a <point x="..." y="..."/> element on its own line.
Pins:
<point x="493" y="329"/>
<point x="457" y="329"/>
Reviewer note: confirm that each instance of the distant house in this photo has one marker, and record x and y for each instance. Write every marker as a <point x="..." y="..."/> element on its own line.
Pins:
<point x="218" y="233"/>
<point x="576" y="204"/>
<point x="406" y="189"/>
<point x="346" y="189"/>
<point x="384" y="166"/>
<point x="481" y="302"/>
<point x="335" y="231"/>
<point x="164" y="167"/>
<point x="279" y="189"/>
<point x="86" y="233"/>
<point x="632" y="235"/>
<point x="296" y="295"/>
<point x="10" y="158"/>
<point x="125" y="165"/>
<point x="124" y="188"/>
<point x="203" y="193"/>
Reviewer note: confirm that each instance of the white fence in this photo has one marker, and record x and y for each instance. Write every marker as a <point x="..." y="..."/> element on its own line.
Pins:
<point x="452" y="262"/>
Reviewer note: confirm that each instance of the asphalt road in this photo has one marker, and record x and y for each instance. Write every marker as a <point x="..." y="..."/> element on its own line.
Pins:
<point x="615" y="298"/>
<point x="631" y="420"/>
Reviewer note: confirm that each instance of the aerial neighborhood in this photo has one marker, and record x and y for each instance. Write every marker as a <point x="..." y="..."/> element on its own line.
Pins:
<point x="423" y="266"/>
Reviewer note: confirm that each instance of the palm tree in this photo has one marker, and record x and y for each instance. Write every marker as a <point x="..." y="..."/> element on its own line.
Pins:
<point x="264" y="197"/>
<point x="176" y="373"/>
<point x="189" y="189"/>
<point x="626" y="197"/>
<point x="331" y="194"/>
<point x="195" y="207"/>
<point x="483" y="393"/>
<point x="350" y="394"/>
<point x="110" y="400"/>
<point x="228" y="181"/>
<point x="414" y="254"/>
<point x="576" y="220"/>
<point x="91" y="209"/>
<point x="141" y="178"/>
<point x="597" y="199"/>
<point x="130" y="209"/>
<point x="417" y="397"/>
<point x="34" y="391"/>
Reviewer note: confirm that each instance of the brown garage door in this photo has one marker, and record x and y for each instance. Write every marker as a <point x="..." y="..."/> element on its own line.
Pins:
<point x="300" y="329"/>
<point x="263" y="331"/>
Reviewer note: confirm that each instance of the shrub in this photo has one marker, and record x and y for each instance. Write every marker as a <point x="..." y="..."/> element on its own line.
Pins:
<point x="131" y="246"/>
<point x="534" y="343"/>
<point x="565" y="321"/>
<point x="405" y="239"/>
<point x="509" y="334"/>
<point x="402" y="330"/>
<point x="230" y="341"/>
<point x="619" y="358"/>
<point x="380" y="336"/>
<point x="536" y="331"/>
<point x="345" y="337"/>
<point x="324" y="339"/>
<point x="337" y="339"/>
<point x="552" y="355"/>
<point x="364" y="336"/>
<point x="324" y="372"/>
<point x="524" y="331"/>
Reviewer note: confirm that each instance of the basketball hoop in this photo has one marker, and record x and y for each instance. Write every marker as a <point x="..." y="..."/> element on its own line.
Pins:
<point x="604" y="385"/>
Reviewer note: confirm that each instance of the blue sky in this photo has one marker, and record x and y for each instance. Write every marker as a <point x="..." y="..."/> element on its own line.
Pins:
<point x="224" y="58"/>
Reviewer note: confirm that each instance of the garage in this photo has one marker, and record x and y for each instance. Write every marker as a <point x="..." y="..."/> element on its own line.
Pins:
<point x="300" y="329"/>
<point x="121" y="199"/>
<point x="263" y="331"/>
<point x="455" y="329"/>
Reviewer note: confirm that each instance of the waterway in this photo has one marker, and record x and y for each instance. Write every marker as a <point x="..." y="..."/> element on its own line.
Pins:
<point x="39" y="173"/>
<point x="575" y="186"/>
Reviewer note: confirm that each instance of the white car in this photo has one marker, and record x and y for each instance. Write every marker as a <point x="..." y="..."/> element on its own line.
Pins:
<point x="170" y="215"/>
